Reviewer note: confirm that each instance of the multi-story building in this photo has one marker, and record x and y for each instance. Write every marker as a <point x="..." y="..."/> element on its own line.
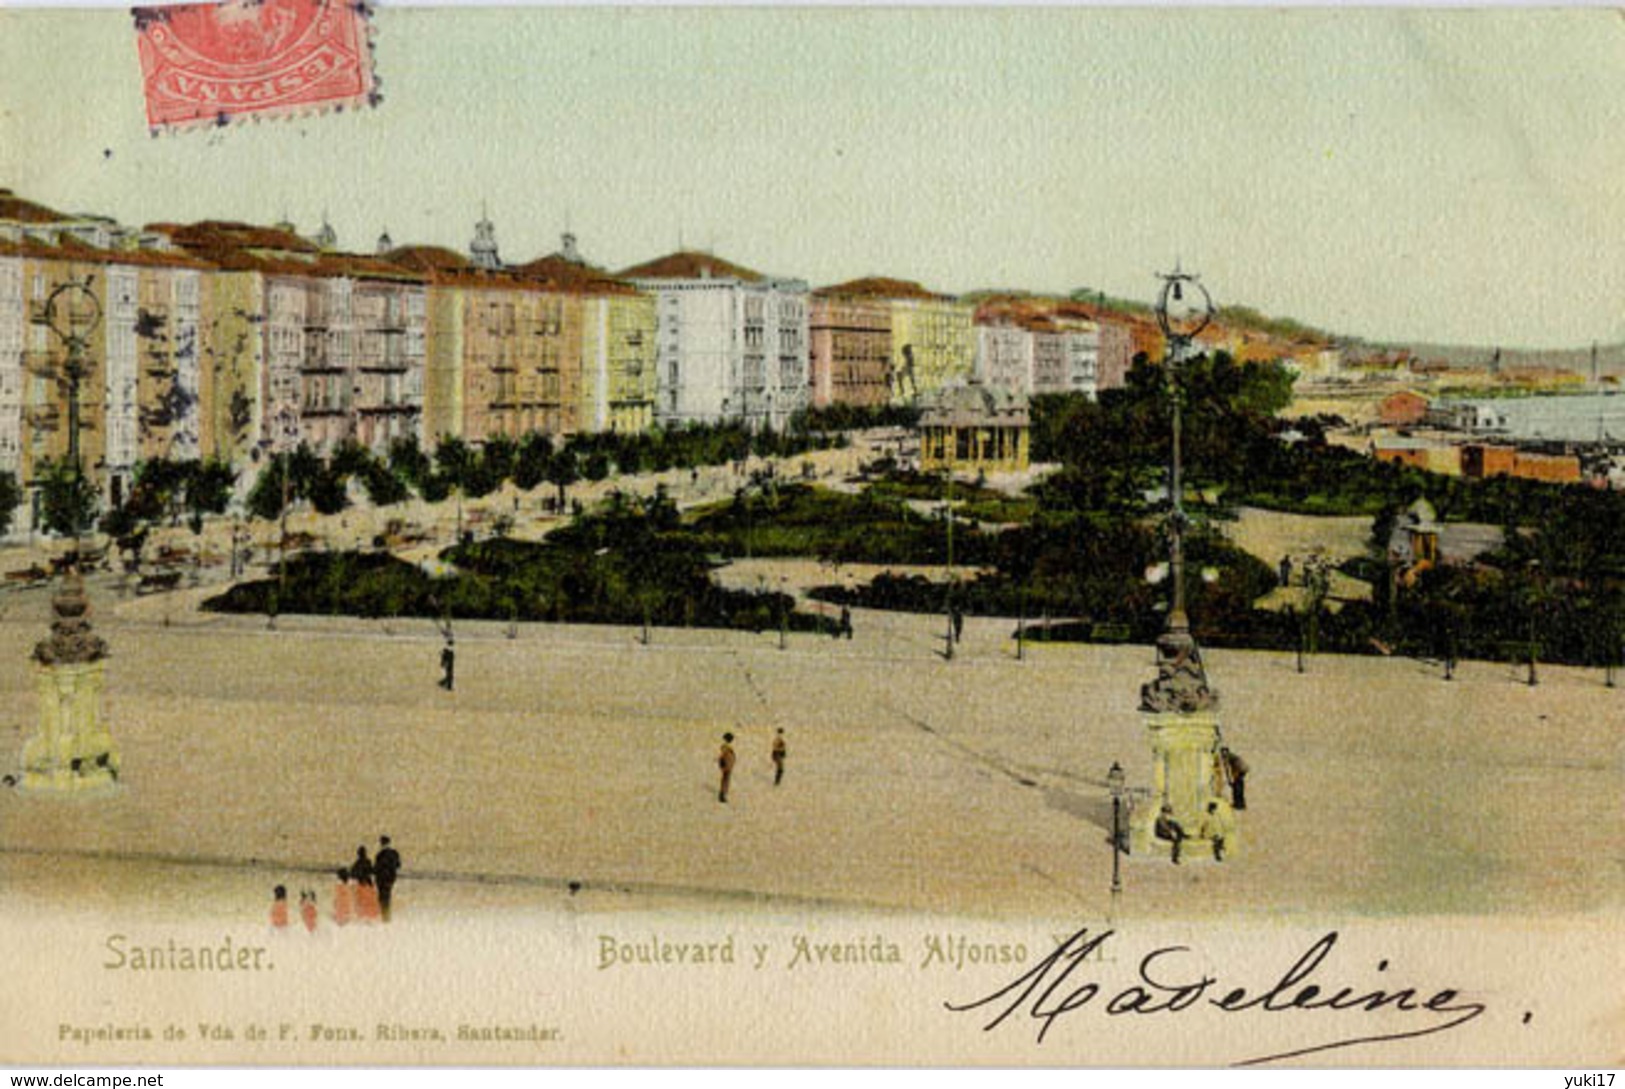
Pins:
<point x="731" y="342"/>
<point x="13" y="339"/>
<point x="1116" y="354"/>
<point x="1004" y="354"/>
<point x="341" y="342"/>
<point x="141" y="309"/>
<point x="618" y="336"/>
<point x="1035" y="345"/>
<point x="506" y="349"/>
<point x="933" y="342"/>
<point x="850" y="344"/>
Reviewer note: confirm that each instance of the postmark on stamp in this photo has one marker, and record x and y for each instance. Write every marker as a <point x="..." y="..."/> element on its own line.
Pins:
<point x="213" y="64"/>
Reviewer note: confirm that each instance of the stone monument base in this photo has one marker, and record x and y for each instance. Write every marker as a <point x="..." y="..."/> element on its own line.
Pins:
<point x="72" y="753"/>
<point x="1186" y="776"/>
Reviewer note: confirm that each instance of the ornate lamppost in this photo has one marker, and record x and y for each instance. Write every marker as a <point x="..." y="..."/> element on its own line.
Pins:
<point x="1180" y="710"/>
<point x="952" y="636"/>
<point x="72" y="751"/>
<point x="1184" y="309"/>
<point x="1534" y="606"/>
<point x="73" y="313"/>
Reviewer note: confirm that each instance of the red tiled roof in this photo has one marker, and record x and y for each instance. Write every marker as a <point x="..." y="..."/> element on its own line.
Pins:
<point x="687" y="265"/>
<point x="563" y="274"/>
<point x="427" y="258"/>
<point x="242" y="247"/>
<point x="72" y="249"/>
<point x="212" y="234"/>
<point x="18" y="210"/>
<point x="879" y="287"/>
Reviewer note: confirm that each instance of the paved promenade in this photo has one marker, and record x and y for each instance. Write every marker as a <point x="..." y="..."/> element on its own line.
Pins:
<point x="976" y="786"/>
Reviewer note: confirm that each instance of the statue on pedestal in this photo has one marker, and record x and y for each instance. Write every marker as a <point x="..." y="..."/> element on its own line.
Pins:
<point x="1181" y="682"/>
<point x="71" y="642"/>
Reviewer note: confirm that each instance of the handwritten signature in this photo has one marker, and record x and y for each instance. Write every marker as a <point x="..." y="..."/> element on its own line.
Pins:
<point x="1054" y="987"/>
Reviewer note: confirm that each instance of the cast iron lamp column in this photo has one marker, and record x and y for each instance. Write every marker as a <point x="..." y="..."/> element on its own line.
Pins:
<point x="1115" y="780"/>
<point x="73" y="313"/>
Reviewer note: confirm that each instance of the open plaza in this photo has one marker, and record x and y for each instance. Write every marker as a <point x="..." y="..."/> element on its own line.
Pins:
<point x="977" y="785"/>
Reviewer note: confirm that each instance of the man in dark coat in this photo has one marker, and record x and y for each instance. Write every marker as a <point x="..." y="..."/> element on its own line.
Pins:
<point x="725" y="761"/>
<point x="386" y="867"/>
<point x="361" y="870"/>
<point x="778" y="757"/>
<point x="448" y="664"/>
<point x="1235" y="770"/>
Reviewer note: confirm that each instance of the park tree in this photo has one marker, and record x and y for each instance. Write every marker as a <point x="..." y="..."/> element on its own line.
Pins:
<point x="11" y="497"/>
<point x="531" y="460"/>
<point x="408" y="461"/>
<point x="265" y="499"/>
<point x="384" y="486"/>
<point x="454" y="460"/>
<point x="68" y="498"/>
<point x="208" y="487"/>
<point x="562" y="471"/>
<point x="498" y="459"/>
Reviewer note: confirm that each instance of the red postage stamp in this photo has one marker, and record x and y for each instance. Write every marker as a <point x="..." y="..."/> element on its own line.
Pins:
<point x="212" y="64"/>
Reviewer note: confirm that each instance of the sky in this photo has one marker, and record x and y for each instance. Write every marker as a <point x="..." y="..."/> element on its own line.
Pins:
<point x="1392" y="174"/>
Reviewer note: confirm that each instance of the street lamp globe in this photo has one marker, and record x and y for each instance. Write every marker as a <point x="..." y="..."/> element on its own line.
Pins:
<point x="1115" y="778"/>
<point x="72" y="312"/>
<point x="1184" y="307"/>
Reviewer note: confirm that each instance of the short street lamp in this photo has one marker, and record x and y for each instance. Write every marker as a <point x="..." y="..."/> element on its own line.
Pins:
<point x="1114" y="779"/>
<point x="1534" y="605"/>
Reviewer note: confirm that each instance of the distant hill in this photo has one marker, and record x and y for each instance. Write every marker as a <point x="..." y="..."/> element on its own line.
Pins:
<point x="1610" y="357"/>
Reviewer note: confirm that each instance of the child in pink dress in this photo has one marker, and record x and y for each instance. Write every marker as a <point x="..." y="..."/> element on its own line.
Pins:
<point x="279" y="908"/>
<point x="343" y="901"/>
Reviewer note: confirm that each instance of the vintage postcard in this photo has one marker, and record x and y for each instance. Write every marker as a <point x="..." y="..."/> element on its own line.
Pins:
<point x="545" y="536"/>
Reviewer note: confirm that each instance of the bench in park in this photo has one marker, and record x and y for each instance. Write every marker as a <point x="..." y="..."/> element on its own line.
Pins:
<point x="158" y="582"/>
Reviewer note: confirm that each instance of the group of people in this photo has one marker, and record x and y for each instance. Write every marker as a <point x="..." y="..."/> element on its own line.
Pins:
<point x="363" y="892"/>
<point x="727" y="758"/>
<point x="1229" y="769"/>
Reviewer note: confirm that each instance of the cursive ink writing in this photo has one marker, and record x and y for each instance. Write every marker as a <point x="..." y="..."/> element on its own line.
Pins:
<point x="1055" y="987"/>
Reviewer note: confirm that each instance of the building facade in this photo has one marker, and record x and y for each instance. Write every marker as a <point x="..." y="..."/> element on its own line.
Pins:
<point x="850" y="348"/>
<point x="731" y="343"/>
<point x="618" y="385"/>
<point x="1004" y="355"/>
<point x="933" y="343"/>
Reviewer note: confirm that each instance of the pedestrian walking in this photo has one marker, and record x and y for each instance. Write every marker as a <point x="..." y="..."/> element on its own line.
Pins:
<point x="958" y="619"/>
<point x="1171" y="830"/>
<point x="448" y="664"/>
<point x="1286" y="570"/>
<point x="279" y="908"/>
<point x="725" y="761"/>
<point x="846" y="622"/>
<point x="778" y="757"/>
<point x="1235" y="770"/>
<point x="386" y="868"/>
<point x="307" y="910"/>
